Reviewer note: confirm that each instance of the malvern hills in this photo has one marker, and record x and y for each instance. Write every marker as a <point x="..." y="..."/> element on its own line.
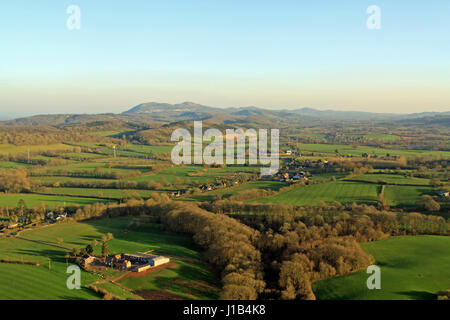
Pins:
<point x="189" y="111"/>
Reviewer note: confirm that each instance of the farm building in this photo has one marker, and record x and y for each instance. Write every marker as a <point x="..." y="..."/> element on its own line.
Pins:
<point x="142" y="268"/>
<point x="137" y="262"/>
<point x="144" y="258"/>
<point x="86" y="260"/>
<point x="123" y="264"/>
<point x="157" y="261"/>
<point x="118" y="262"/>
<point x="138" y="257"/>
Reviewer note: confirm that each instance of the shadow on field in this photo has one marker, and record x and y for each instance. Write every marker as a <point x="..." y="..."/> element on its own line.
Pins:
<point x="186" y="284"/>
<point x="89" y="238"/>
<point x="55" y="255"/>
<point x="418" y="295"/>
<point x="189" y="284"/>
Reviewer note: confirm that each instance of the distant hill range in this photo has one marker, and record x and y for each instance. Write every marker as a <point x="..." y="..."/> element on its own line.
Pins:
<point x="152" y="112"/>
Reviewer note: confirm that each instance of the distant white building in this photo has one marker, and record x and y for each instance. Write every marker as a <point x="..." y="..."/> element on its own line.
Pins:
<point x="144" y="258"/>
<point x="159" y="260"/>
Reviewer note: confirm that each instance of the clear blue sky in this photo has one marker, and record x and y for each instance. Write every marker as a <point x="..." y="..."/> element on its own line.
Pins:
<point x="272" y="54"/>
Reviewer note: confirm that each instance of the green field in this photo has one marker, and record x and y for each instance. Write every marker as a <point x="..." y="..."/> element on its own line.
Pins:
<point x="55" y="179"/>
<point x="193" y="173"/>
<point x="149" y="149"/>
<point x="123" y="153"/>
<point x="170" y="174"/>
<point x="96" y="192"/>
<point x="359" y="150"/>
<point x="382" y="136"/>
<point x="392" y="179"/>
<point x="83" y="144"/>
<point x="12" y="149"/>
<point x="47" y="281"/>
<point x="342" y="191"/>
<point x="405" y="196"/>
<point x="31" y="200"/>
<point x="83" y="155"/>
<point x="412" y="268"/>
<point x="130" y="150"/>
<point x="40" y="282"/>
<point x="327" y="176"/>
<point x="104" y="164"/>
<point x="107" y="133"/>
<point x="12" y="165"/>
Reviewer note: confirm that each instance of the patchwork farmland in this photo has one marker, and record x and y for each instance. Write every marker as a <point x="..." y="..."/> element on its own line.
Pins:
<point x="338" y="203"/>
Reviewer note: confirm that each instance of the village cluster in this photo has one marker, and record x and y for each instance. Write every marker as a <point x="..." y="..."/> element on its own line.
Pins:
<point x="293" y="171"/>
<point x="50" y="217"/>
<point x="207" y="187"/>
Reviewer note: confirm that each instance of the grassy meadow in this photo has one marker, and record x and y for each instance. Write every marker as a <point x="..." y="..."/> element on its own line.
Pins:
<point x="392" y="179"/>
<point x="14" y="150"/>
<point x="412" y="268"/>
<point x="31" y="200"/>
<point x="406" y="196"/>
<point x="97" y="192"/>
<point x="329" y="149"/>
<point x="342" y="191"/>
<point x="48" y="281"/>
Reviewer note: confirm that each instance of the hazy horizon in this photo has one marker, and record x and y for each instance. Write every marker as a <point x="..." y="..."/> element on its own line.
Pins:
<point x="273" y="55"/>
<point x="13" y="115"/>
